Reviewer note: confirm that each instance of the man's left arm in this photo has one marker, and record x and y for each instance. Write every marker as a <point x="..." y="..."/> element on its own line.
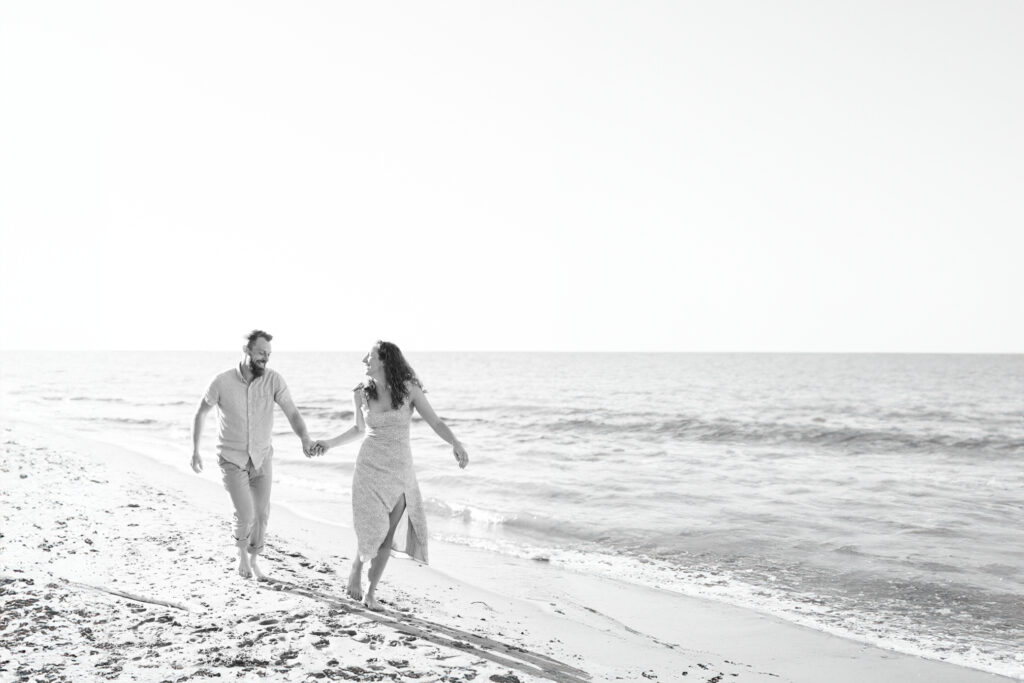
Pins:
<point x="284" y="399"/>
<point x="298" y="424"/>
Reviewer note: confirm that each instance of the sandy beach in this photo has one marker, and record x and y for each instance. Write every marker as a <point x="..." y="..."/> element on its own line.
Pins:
<point x="115" y="566"/>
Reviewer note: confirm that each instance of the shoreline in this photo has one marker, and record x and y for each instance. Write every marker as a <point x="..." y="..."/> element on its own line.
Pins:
<point x="512" y="612"/>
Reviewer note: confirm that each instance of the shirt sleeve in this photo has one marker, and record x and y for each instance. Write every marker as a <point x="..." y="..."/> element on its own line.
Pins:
<point x="282" y="396"/>
<point x="212" y="395"/>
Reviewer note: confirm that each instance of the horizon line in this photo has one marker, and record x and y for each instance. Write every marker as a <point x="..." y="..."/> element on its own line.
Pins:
<point x="575" y="351"/>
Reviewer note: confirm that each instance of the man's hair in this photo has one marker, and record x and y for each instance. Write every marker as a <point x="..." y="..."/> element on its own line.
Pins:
<point x="256" y="334"/>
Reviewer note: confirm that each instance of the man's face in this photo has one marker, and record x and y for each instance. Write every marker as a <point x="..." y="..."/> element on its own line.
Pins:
<point x="258" y="355"/>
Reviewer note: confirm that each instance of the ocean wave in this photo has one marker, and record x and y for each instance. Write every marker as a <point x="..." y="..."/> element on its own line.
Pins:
<point x="114" y="399"/>
<point x="451" y="420"/>
<point x="523" y="523"/>
<point x="849" y="550"/>
<point x="98" y="399"/>
<point x="464" y="512"/>
<point x="124" y="420"/>
<point x="855" y="439"/>
<point x="325" y="413"/>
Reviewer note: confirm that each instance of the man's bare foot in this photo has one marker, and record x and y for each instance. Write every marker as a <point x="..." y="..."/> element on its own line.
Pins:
<point x="372" y="604"/>
<point x="244" y="568"/>
<point x="260" y="576"/>
<point x="354" y="589"/>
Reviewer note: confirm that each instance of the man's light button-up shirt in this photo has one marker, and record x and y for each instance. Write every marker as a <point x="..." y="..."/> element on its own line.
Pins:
<point x="246" y="414"/>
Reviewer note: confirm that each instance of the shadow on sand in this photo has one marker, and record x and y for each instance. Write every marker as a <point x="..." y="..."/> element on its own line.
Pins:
<point x="513" y="657"/>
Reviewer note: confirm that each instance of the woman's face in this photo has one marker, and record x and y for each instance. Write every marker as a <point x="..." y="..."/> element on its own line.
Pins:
<point x="372" y="362"/>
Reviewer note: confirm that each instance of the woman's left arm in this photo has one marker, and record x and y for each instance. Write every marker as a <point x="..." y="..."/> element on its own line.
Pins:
<point x="420" y="402"/>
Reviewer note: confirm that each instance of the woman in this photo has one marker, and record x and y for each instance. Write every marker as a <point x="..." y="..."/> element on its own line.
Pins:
<point x="384" y="484"/>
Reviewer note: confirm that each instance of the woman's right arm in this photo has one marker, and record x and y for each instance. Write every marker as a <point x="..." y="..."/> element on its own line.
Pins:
<point x="356" y="430"/>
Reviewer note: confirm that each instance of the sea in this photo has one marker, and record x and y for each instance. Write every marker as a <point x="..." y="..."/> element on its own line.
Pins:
<point x="876" y="497"/>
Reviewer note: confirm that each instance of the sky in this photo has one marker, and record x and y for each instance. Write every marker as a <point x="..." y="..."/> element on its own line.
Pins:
<point x="812" y="176"/>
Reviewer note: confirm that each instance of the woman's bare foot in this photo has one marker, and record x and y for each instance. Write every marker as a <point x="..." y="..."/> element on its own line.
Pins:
<point x="244" y="568"/>
<point x="372" y="604"/>
<point x="260" y="576"/>
<point x="354" y="589"/>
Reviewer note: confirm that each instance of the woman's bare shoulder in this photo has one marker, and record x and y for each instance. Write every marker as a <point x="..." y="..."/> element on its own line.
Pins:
<point x="413" y="387"/>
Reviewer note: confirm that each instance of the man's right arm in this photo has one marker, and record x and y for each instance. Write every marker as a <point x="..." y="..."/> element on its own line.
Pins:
<point x="197" y="432"/>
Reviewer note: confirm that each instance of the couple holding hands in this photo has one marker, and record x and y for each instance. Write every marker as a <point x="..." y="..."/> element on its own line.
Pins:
<point x="384" y="485"/>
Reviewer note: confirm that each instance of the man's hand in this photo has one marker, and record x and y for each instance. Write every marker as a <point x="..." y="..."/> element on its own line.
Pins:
<point x="313" y="449"/>
<point x="197" y="463"/>
<point x="307" y="447"/>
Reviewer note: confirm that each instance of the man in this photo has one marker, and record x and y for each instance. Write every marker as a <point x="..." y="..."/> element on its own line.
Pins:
<point x="245" y="396"/>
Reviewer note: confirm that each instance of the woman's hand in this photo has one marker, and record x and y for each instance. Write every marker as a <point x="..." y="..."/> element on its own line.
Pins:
<point x="461" y="456"/>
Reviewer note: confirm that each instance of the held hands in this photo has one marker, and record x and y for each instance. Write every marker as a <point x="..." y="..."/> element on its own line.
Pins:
<point x="197" y="463"/>
<point x="314" y="449"/>
<point x="461" y="456"/>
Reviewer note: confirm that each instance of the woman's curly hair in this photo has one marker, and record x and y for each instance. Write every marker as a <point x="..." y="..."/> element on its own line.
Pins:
<point x="397" y="372"/>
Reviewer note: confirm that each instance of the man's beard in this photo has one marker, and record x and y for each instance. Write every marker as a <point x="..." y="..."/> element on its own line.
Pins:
<point x="257" y="370"/>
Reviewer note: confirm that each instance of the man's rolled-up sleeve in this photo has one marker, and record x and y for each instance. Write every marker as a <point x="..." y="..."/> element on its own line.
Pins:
<point x="212" y="395"/>
<point x="282" y="396"/>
